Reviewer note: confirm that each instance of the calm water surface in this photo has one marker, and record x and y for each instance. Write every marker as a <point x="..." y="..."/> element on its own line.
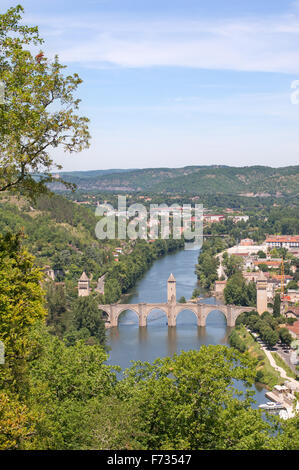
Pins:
<point x="129" y="343"/>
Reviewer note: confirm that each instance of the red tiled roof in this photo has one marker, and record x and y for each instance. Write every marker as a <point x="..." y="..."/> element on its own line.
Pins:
<point x="294" y="328"/>
<point x="279" y="277"/>
<point x="283" y="238"/>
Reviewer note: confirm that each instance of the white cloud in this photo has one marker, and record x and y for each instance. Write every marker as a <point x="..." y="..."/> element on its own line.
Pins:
<point x="268" y="44"/>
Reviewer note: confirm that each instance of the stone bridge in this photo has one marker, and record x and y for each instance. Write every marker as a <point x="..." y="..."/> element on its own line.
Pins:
<point x="172" y="309"/>
<point x="142" y="310"/>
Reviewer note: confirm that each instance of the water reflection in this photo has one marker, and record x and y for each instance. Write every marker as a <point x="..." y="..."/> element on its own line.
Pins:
<point x="171" y="341"/>
<point x="142" y="335"/>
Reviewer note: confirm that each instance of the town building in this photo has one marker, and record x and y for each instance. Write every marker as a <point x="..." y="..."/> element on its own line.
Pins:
<point x="84" y="285"/>
<point x="247" y="242"/>
<point x="294" y="329"/>
<point x="292" y="296"/>
<point x="270" y="263"/>
<point x="212" y="218"/>
<point x="101" y="285"/>
<point x="282" y="241"/>
<point x="49" y="273"/>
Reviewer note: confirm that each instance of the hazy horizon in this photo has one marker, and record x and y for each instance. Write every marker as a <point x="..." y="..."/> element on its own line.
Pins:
<point x="174" y="167"/>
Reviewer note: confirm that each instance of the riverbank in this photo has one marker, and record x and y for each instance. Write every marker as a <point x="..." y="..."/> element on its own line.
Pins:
<point x="123" y="275"/>
<point x="266" y="374"/>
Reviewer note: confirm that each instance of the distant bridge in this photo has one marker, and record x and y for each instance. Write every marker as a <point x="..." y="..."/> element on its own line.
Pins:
<point x="172" y="309"/>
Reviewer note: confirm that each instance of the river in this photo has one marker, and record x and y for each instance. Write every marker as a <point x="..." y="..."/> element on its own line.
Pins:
<point x="129" y="343"/>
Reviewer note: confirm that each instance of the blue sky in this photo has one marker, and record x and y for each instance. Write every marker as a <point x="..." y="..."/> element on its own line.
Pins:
<point x="180" y="82"/>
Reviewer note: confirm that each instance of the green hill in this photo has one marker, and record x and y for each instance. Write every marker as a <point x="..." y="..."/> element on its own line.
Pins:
<point x="248" y="181"/>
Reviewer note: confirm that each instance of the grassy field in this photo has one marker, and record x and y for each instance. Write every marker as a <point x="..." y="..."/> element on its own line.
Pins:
<point x="267" y="375"/>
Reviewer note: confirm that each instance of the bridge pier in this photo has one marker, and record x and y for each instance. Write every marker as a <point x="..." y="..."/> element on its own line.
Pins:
<point x="171" y="316"/>
<point x="113" y="317"/>
<point x="229" y="317"/>
<point x="142" y="314"/>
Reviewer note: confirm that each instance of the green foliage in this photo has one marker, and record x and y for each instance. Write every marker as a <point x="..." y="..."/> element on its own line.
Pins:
<point x="232" y="264"/>
<point x="276" y="306"/>
<point x="190" y="402"/>
<point x="206" y="269"/>
<point x="285" y="336"/>
<point x="244" y="340"/>
<point x="16" y="425"/>
<point x="265" y="325"/>
<point x="124" y="274"/>
<point x="21" y="306"/>
<point x="57" y="308"/>
<point x="40" y="110"/>
<point x="86" y="315"/>
<point x="236" y="342"/>
<point x="238" y="292"/>
<point x="263" y="267"/>
<point x="196" y="293"/>
<point x="66" y="382"/>
<point x="293" y="285"/>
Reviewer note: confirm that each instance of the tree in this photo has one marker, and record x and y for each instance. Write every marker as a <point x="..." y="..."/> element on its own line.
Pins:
<point x="39" y="112"/>
<point x="285" y="336"/>
<point x="206" y="269"/>
<point x="182" y="300"/>
<point x="112" y="291"/>
<point x="190" y="403"/>
<point x="16" y="426"/>
<point x="293" y="285"/>
<point x="269" y="336"/>
<point x="57" y="307"/>
<point x="237" y="292"/>
<point x="87" y="315"/>
<point x="261" y="254"/>
<point x="67" y="384"/>
<point x="263" y="267"/>
<point x="276" y="305"/>
<point x="232" y="264"/>
<point x="196" y="293"/>
<point x="21" y="307"/>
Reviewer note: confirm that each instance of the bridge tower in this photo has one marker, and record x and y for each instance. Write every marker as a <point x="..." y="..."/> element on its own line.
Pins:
<point x="261" y="294"/>
<point x="171" y="289"/>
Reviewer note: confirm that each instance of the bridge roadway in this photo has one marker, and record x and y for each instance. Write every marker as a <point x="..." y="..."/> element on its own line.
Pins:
<point x="172" y="310"/>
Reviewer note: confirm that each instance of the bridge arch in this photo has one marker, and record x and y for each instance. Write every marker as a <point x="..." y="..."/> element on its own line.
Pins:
<point x="216" y="310"/>
<point x="186" y="308"/>
<point x="105" y="313"/>
<point x="128" y="308"/>
<point x="150" y="309"/>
